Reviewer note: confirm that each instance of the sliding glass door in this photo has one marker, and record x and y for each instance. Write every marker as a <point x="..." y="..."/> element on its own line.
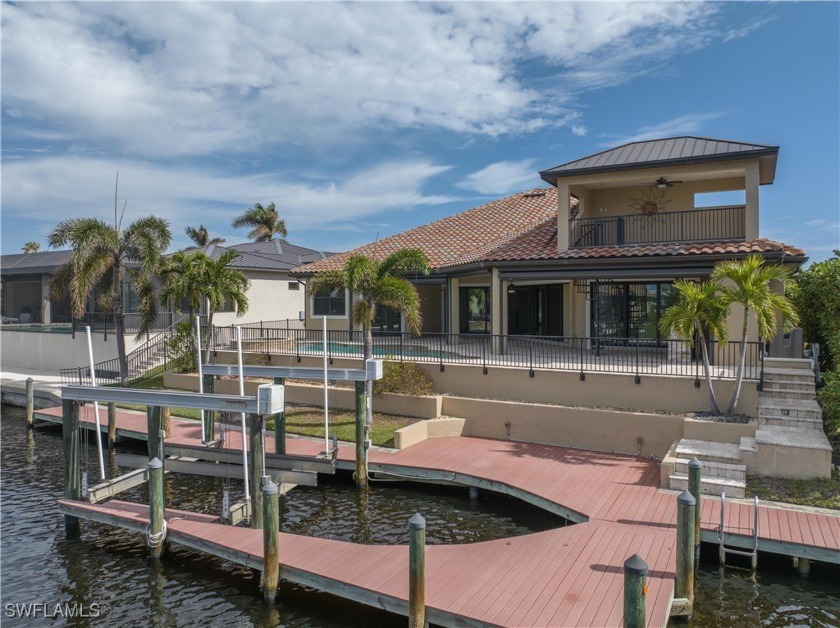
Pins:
<point x="628" y="310"/>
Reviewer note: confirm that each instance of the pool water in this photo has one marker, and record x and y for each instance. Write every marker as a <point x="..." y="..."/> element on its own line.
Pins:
<point x="44" y="329"/>
<point x="111" y="566"/>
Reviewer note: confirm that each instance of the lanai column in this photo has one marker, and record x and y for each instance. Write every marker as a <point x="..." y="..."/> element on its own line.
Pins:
<point x="454" y="315"/>
<point x="751" y="188"/>
<point x="46" y="314"/>
<point x="562" y="216"/>
<point x="498" y="292"/>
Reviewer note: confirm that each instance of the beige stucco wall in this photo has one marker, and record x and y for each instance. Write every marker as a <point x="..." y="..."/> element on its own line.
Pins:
<point x="423" y="430"/>
<point x="50" y="352"/>
<point x="269" y="299"/>
<point x="582" y="428"/>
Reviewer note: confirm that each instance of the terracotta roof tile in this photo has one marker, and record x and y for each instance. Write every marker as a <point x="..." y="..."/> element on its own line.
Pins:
<point x="463" y="238"/>
<point x="541" y="244"/>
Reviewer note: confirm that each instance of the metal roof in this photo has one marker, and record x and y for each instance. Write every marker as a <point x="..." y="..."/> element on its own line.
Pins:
<point x="663" y="152"/>
<point x="40" y="263"/>
<point x="275" y="255"/>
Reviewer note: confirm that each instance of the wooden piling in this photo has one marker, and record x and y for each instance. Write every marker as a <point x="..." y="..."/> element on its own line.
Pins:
<point x="416" y="571"/>
<point x="361" y="453"/>
<point x="154" y="427"/>
<point x="803" y="566"/>
<point x="635" y="591"/>
<point x="166" y="420"/>
<point x="280" y="425"/>
<point x="271" y="541"/>
<point x="72" y="479"/>
<point x="695" y="488"/>
<point x="156" y="533"/>
<point x="209" y="416"/>
<point x="257" y="469"/>
<point x="30" y="401"/>
<point x="684" y="587"/>
<point x="112" y="425"/>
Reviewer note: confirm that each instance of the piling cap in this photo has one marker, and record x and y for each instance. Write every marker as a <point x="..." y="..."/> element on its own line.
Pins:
<point x="694" y="463"/>
<point x="416" y="522"/>
<point x="155" y="463"/>
<point x="270" y="488"/>
<point x="636" y="566"/>
<point x="686" y="499"/>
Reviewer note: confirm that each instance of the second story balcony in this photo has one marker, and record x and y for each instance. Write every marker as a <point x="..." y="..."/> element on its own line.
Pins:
<point x="713" y="224"/>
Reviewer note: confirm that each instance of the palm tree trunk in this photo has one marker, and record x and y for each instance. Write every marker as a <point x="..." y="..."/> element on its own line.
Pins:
<point x="739" y="373"/>
<point x="119" y="330"/>
<point x="367" y="355"/>
<point x="708" y="371"/>
<point x="209" y="335"/>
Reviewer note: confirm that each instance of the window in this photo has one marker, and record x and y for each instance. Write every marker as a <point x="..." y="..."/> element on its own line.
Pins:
<point x="475" y="310"/>
<point x="629" y="310"/>
<point x="329" y="303"/>
<point x="131" y="302"/>
<point x="294" y="285"/>
<point x="228" y="305"/>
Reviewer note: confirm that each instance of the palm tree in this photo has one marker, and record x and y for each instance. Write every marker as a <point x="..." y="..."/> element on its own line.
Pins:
<point x="201" y="237"/>
<point x="377" y="283"/>
<point x="100" y="262"/>
<point x="31" y="247"/>
<point x="747" y="283"/>
<point x="195" y="277"/>
<point x="700" y="310"/>
<point x="265" y="223"/>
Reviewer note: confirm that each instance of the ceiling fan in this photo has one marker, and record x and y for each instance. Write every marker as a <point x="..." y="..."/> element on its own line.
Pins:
<point x="663" y="183"/>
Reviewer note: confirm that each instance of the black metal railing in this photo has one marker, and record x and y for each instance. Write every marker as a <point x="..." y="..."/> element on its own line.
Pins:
<point x="697" y="225"/>
<point x="104" y="322"/>
<point x="639" y="356"/>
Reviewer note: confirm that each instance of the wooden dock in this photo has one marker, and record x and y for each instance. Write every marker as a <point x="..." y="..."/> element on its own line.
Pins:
<point x="568" y="576"/>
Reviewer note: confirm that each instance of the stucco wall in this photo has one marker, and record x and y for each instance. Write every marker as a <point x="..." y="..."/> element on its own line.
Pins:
<point x="50" y="352"/>
<point x="269" y="299"/>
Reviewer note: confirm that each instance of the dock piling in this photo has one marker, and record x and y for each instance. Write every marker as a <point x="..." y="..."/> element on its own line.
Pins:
<point x="154" y="427"/>
<point x="684" y="587"/>
<point x="156" y="532"/>
<point x="695" y="471"/>
<point x="361" y="453"/>
<point x="271" y="541"/>
<point x="72" y="480"/>
<point x="803" y="566"/>
<point x="416" y="571"/>
<point x="112" y="425"/>
<point x="166" y="419"/>
<point x="280" y="425"/>
<point x="209" y="415"/>
<point x="30" y="401"/>
<point x="635" y="591"/>
<point x="255" y="430"/>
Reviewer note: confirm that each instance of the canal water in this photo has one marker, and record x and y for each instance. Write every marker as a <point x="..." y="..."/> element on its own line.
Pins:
<point x="110" y="567"/>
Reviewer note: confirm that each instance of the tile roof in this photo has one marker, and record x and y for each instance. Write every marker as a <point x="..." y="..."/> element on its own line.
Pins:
<point x="667" y="151"/>
<point x="541" y="244"/>
<point x="463" y="238"/>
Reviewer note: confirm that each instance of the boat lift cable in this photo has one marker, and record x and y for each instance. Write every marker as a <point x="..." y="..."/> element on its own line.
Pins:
<point x="95" y="407"/>
<point x="242" y="415"/>
<point x="326" y="392"/>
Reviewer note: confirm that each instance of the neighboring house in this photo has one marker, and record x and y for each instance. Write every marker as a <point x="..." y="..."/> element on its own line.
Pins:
<point x="26" y="288"/>
<point x="592" y="256"/>
<point x="273" y="293"/>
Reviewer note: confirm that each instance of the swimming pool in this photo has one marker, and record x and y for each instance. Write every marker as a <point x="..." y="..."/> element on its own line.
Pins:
<point x="43" y="329"/>
<point x="353" y="349"/>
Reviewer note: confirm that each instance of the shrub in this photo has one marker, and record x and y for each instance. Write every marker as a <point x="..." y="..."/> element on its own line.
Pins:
<point x="829" y="398"/>
<point x="181" y="347"/>
<point x="816" y="295"/>
<point x="403" y="377"/>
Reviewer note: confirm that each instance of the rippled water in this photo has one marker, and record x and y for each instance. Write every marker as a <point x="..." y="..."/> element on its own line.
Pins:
<point x="111" y="566"/>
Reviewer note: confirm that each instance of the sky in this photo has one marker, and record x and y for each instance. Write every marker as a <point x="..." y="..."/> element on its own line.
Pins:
<point x="362" y="120"/>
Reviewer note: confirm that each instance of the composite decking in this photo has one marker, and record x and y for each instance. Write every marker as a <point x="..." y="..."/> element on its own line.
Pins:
<point x="616" y="496"/>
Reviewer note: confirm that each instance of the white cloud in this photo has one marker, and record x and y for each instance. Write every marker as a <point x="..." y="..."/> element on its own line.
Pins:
<point x="196" y="78"/>
<point x="687" y="124"/>
<point x="81" y="186"/>
<point x="501" y="177"/>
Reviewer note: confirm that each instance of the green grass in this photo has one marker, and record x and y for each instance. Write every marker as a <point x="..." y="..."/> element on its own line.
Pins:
<point x="303" y="420"/>
<point x="820" y="492"/>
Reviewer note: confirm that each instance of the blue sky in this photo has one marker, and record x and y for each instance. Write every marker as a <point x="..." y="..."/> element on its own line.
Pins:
<point x="360" y="120"/>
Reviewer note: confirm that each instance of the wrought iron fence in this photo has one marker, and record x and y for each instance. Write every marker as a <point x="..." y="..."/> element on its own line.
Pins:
<point x="698" y="225"/>
<point x="638" y="356"/>
<point x="104" y="322"/>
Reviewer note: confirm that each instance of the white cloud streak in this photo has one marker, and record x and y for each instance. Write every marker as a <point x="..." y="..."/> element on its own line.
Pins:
<point x="501" y="177"/>
<point x="687" y="124"/>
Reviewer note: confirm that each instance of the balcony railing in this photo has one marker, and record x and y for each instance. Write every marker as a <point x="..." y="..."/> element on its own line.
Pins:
<point x="697" y="225"/>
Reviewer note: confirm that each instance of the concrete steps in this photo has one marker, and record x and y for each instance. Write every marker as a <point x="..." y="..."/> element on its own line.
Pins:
<point x="708" y="451"/>
<point x="715" y="470"/>
<point x="803" y="423"/>
<point x="722" y="468"/>
<point x="792" y="408"/>
<point x="710" y="486"/>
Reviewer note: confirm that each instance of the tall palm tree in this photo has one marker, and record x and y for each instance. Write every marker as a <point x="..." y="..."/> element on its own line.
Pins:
<point x="31" y="247"/>
<point x="698" y="310"/>
<point x="265" y="223"/>
<point x="99" y="262"/>
<point x="747" y="283"/>
<point x="377" y="283"/>
<point x="195" y="277"/>
<point x="201" y="237"/>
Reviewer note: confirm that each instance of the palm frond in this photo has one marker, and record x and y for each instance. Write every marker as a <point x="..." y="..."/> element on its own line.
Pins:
<point x="328" y="280"/>
<point x="403" y="262"/>
<point x="401" y="295"/>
